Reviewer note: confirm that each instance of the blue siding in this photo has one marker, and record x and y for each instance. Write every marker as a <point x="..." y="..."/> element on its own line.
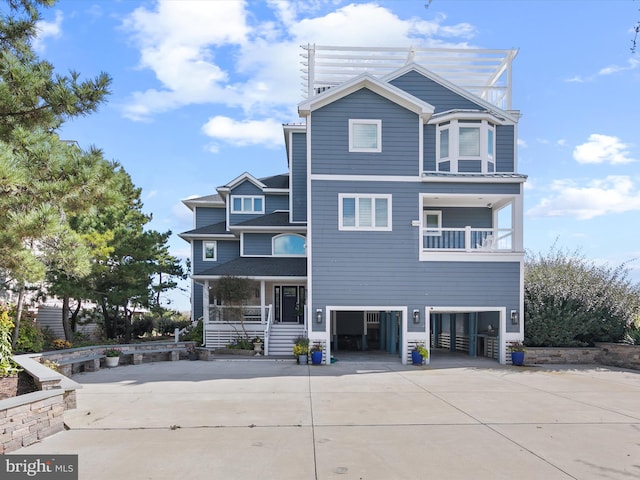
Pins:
<point x="382" y="268"/>
<point x="505" y="145"/>
<point x="429" y="145"/>
<point x="479" y="188"/>
<point x="227" y="250"/>
<point x="433" y="93"/>
<point x="276" y="202"/>
<point x="246" y="188"/>
<point x="196" y="297"/>
<point x="257" y="243"/>
<point x="460" y="217"/>
<point x="330" y="137"/>
<point x="299" y="177"/>
<point x="469" y="166"/>
<point x="209" y="216"/>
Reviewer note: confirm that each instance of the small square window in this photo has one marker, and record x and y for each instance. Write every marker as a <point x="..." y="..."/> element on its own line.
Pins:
<point x="209" y="251"/>
<point x="365" y="135"/>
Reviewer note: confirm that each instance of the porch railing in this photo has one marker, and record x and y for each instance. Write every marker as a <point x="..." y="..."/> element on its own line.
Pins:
<point x="467" y="239"/>
<point x="267" y="330"/>
<point x="249" y="314"/>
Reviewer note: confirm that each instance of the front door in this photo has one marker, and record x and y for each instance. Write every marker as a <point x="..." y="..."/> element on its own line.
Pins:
<point x="289" y="304"/>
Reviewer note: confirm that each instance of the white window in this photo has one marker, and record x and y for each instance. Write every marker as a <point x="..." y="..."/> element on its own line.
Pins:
<point x="432" y="222"/>
<point x="247" y="204"/>
<point x="289" y="245"/>
<point x="466" y="140"/>
<point x="365" y="135"/>
<point x="364" y="212"/>
<point x="209" y="251"/>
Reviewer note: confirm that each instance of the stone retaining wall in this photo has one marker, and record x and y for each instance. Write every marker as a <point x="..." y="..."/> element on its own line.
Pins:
<point x="620" y="355"/>
<point x="550" y="355"/>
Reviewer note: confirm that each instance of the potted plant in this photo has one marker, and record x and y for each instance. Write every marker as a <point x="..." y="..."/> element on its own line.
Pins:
<point x="517" y="353"/>
<point x="316" y="354"/>
<point x="419" y="354"/>
<point x="112" y="357"/>
<point x="192" y="353"/>
<point x="301" y="349"/>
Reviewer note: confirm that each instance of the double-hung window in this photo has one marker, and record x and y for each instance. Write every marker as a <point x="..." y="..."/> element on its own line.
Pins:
<point x="365" y="135"/>
<point x="364" y="212"/>
<point x="247" y="204"/>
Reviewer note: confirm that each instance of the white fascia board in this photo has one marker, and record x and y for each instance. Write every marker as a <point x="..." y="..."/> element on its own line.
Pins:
<point x="268" y="229"/>
<point x="497" y="257"/>
<point x="468" y="115"/>
<point x="366" y="178"/>
<point x="192" y="203"/>
<point x="479" y="178"/>
<point x="245" y="176"/>
<point x="208" y="236"/>
<point x="451" y="86"/>
<point x="388" y="91"/>
<point x="276" y="191"/>
<point x="265" y="278"/>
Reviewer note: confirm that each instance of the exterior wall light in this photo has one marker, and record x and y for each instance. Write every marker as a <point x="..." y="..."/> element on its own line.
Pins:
<point x="318" y="315"/>
<point x="514" y="317"/>
<point x="416" y="316"/>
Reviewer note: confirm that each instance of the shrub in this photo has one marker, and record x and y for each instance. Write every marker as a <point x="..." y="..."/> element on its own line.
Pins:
<point x="30" y="337"/>
<point x="7" y="367"/>
<point x="570" y="301"/>
<point x="60" y="344"/>
<point x="195" y="332"/>
<point x="142" y="326"/>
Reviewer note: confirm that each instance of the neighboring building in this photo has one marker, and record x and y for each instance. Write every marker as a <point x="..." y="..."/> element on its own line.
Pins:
<point x="400" y="217"/>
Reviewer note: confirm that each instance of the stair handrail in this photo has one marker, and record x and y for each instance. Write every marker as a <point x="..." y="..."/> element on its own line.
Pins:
<point x="267" y="330"/>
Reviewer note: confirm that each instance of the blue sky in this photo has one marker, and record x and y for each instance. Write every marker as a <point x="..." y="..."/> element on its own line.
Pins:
<point x="201" y="88"/>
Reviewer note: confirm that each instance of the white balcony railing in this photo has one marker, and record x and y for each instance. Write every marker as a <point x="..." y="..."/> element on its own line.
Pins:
<point x="467" y="239"/>
<point x="249" y="314"/>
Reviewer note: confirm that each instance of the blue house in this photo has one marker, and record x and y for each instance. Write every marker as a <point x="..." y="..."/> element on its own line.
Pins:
<point x="398" y="221"/>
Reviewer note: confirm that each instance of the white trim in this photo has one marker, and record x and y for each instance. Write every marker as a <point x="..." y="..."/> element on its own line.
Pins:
<point x="207" y="236"/>
<point x="358" y="197"/>
<point x="420" y="147"/>
<point x="204" y="251"/>
<point x="364" y="121"/>
<point x="241" y="178"/>
<point x="266" y="278"/>
<point x="475" y="256"/>
<point x="424" y="225"/>
<point x="366" y="178"/>
<point x="242" y="198"/>
<point x="309" y="292"/>
<point x="289" y="145"/>
<point x="472" y="178"/>
<point x="267" y="228"/>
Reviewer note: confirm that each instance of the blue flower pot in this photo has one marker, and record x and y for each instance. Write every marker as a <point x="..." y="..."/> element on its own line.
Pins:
<point x="517" y="358"/>
<point x="316" y="357"/>
<point x="416" y="358"/>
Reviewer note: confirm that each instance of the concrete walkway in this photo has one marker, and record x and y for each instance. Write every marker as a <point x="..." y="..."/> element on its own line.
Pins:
<point x="230" y="420"/>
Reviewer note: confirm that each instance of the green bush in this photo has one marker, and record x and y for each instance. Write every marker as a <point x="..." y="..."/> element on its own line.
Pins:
<point x="6" y="328"/>
<point x="30" y="337"/>
<point x="142" y="326"/>
<point x="195" y="333"/>
<point x="570" y="301"/>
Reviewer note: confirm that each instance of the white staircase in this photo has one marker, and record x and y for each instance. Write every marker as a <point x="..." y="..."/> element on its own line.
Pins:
<point x="281" y="336"/>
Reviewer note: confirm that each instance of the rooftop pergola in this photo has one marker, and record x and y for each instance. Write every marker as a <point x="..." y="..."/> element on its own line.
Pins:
<point x="485" y="73"/>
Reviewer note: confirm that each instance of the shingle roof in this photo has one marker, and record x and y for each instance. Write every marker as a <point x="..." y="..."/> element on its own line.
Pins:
<point x="260" y="267"/>
<point x="276" y="219"/>
<point x="276" y="181"/>
<point x="215" y="229"/>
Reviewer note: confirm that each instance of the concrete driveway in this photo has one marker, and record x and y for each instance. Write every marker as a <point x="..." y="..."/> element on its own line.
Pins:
<point x="352" y="420"/>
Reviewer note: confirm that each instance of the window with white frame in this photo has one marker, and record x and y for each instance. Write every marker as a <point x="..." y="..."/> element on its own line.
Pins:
<point x="247" y="204"/>
<point x="432" y="222"/>
<point x="209" y="251"/>
<point x="364" y="212"/>
<point x="469" y="141"/>
<point x="289" y="245"/>
<point x="365" y="135"/>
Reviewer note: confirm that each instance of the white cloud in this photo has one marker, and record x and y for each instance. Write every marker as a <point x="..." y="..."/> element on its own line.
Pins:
<point x="247" y="132"/>
<point x="632" y="64"/>
<point x="522" y="143"/>
<point x="602" y="149"/>
<point x="216" y="52"/>
<point x="613" y="194"/>
<point x="47" y="30"/>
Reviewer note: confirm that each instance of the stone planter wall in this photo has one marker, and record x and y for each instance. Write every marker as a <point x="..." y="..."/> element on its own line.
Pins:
<point x="620" y="355"/>
<point x="558" y="355"/>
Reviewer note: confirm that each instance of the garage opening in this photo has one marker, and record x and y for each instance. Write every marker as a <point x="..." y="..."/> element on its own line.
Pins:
<point x="472" y="333"/>
<point x="366" y="331"/>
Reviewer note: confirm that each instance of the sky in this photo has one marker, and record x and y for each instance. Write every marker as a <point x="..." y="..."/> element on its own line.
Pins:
<point x="201" y="90"/>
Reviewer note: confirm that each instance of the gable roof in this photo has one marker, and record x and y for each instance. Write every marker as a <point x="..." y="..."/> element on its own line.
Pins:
<point x="216" y="229"/>
<point x="414" y="67"/>
<point x="206" y="201"/>
<point x="365" y="80"/>
<point x="259" y="267"/>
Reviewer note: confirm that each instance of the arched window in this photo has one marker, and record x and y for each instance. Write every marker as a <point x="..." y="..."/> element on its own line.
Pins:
<point x="289" y="245"/>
